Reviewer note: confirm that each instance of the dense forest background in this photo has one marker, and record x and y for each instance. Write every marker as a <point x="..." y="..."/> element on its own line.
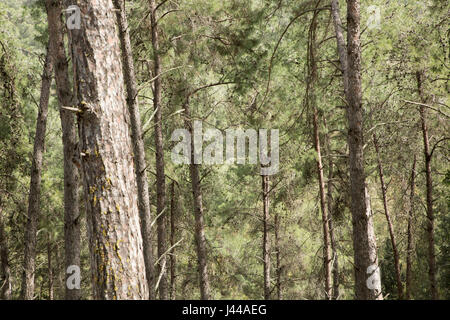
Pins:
<point x="270" y="64"/>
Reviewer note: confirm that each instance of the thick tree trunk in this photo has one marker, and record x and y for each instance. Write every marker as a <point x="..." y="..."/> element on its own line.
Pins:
<point x="409" y="248"/>
<point x="30" y="239"/>
<point x="72" y="232"/>
<point x="364" y="241"/>
<point x="173" y="231"/>
<point x="389" y="222"/>
<point x="138" y="144"/>
<point x="266" y="239"/>
<point x="160" y="175"/>
<point x="335" y="262"/>
<point x="200" y="239"/>
<point x="5" y="271"/>
<point x="429" y="184"/>
<point x="116" y="249"/>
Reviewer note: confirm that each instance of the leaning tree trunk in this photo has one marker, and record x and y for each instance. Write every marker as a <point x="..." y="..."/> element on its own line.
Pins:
<point x="160" y="175"/>
<point x="429" y="184"/>
<point x="138" y="144"/>
<point x="106" y="151"/>
<point x="364" y="241"/>
<point x="398" y="275"/>
<point x="266" y="239"/>
<point x="409" y="248"/>
<point x="5" y="270"/>
<point x="200" y="239"/>
<point x="30" y="239"/>
<point x="72" y="232"/>
<point x="312" y="101"/>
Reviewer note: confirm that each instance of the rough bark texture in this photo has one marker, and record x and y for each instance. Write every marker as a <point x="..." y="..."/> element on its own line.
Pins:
<point x="200" y="239"/>
<point x="5" y="271"/>
<point x="173" y="231"/>
<point x="30" y="239"/>
<point x="115" y="241"/>
<point x="340" y="40"/>
<point x="266" y="240"/>
<point x="69" y="138"/>
<point x="398" y="275"/>
<point x="429" y="191"/>
<point x="160" y="175"/>
<point x="138" y="144"/>
<point x="364" y="241"/>
<point x="410" y="245"/>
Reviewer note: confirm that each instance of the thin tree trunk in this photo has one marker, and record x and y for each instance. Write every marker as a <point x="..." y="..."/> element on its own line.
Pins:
<point x="72" y="232"/>
<point x="160" y="175"/>
<point x="50" y="268"/>
<point x="340" y="41"/>
<point x="364" y="241"/>
<point x="30" y="238"/>
<point x="173" y="230"/>
<point x="278" y="254"/>
<point x="200" y="239"/>
<point x="266" y="240"/>
<point x="5" y="271"/>
<point x="115" y="240"/>
<point x="335" y="262"/>
<point x="138" y="144"/>
<point x="409" y="249"/>
<point x="312" y="67"/>
<point x="389" y="221"/>
<point x="429" y="184"/>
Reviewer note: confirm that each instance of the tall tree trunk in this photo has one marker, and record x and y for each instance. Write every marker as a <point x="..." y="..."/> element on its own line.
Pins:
<point x="335" y="262"/>
<point x="72" y="232"/>
<point x="266" y="239"/>
<point x="278" y="254"/>
<point x="115" y="240"/>
<point x="5" y="271"/>
<point x="429" y="184"/>
<point x="138" y="145"/>
<point x="30" y="239"/>
<point x="364" y="241"/>
<point x="160" y="175"/>
<point x="200" y="239"/>
<point x="173" y="231"/>
<point x="409" y="248"/>
<point x="389" y="221"/>
<point x="340" y="41"/>
<point x="312" y="101"/>
<point x="50" y="268"/>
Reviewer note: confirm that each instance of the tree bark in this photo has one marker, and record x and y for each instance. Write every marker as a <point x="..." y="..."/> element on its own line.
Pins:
<point x="340" y="41"/>
<point x="30" y="239"/>
<point x="138" y="145"/>
<point x="266" y="239"/>
<point x="200" y="239"/>
<point x="429" y="191"/>
<point x="49" y="268"/>
<point x="106" y="151"/>
<point x="389" y="221"/>
<point x="364" y="241"/>
<point x="409" y="249"/>
<point x="160" y="175"/>
<point x="72" y="226"/>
